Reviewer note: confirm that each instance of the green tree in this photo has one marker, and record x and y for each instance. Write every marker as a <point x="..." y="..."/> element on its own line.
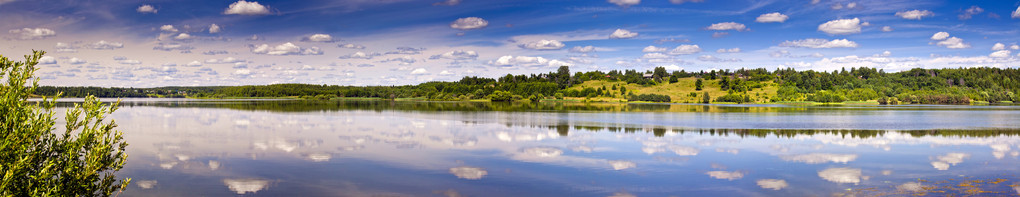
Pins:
<point x="673" y="79"/>
<point x="36" y="160"/>
<point x="705" y="98"/>
<point x="501" y="96"/>
<point x="698" y="85"/>
<point x="724" y="83"/>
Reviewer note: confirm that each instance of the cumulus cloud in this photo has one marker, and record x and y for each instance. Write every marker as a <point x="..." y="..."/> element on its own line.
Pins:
<point x="193" y="64"/>
<point x="171" y="47"/>
<point x="655" y="56"/>
<point x="508" y="61"/>
<point x="621" y="165"/>
<point x="818" y="43"/>
<point x="457" y="55"/>
<point x="622" y="34"/>
<point x="168" y="28"/>
<point x="733" y="50"/>
<point x="774" y="17"/>
<point x="104" y="45"/>
<point x="970" y="12"/>
<point x="360" y="55"/>
<point x="228" y="60"/>
<point x="470" y="173"/>
<point x="76" y="61"/>
<point x="915" y="14"/>
<point x="773" y="184"/>
<point x="351" y="46"/>
<point x="819" y="158"/>
<point x="624" y="3"/>
<point x="183" y="36"/>
<point x="940" y="36"/>
<point x="582" y="49"/>
<point x="685" y="50"/>
<point x="318" y="38"/>
<point x="953" y="43"/>
<point x="32" y="33"/>
<point x="469" y="23"/>
<point x="419" y="71"/>
<point x="887" y="29"/>
<point x="727" y="26"/>
<point x="130" y="62"/>
<point x="841" y="175"/>
<point x="447" y="3"/>
<point x="285" y="49"/>
<point x="146" y="9"/>
<point x="1000" y="54"/>
<point x="943" y="162"/>
<point x="998" y="46"/>
<point x="543" y="45"/>
<point x="725" y="175"/>
<point x="407" y="51"/>
<point x="66" y="48"/>
<point x="243" y="7"/>
<point x="841" y="26"/>
<point x="214" y="28"/>
<point x="47" y="60"/>
<point x="1016" y="14"/>
<point x="650" y="49"/>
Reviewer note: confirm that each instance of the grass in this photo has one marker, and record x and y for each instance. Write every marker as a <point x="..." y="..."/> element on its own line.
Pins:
<point x="678" y="92"/>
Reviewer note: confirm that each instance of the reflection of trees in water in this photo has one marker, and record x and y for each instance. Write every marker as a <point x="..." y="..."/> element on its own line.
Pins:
<point x="565" y="129"/>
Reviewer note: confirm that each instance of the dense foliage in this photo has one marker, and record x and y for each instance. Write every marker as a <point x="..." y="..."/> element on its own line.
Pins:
<point x="935" y="86"/>
<point x="649" y="98"/>
<point x="36" y="161"/>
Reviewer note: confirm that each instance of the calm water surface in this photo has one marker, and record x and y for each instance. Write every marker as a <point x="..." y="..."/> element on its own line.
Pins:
<point x="375" y="148"/>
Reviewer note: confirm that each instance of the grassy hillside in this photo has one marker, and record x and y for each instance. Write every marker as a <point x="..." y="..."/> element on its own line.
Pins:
<point x="679" y="92"/>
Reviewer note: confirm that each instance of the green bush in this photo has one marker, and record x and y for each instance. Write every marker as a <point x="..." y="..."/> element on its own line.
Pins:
<point x="734" y="98"/>
<point x="36" y="161"/>
<point x="558" y="95"/>
<point x="501" y="96"/>
<point x="649" y="98"/>
<point x="827" y="97"/>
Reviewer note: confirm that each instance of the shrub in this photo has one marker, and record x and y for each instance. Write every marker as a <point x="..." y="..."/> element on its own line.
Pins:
<point x="36" y="161"/>
<point x="705" y="98"/>
<point x="650" y="98"/>
<point x="735" y="98"/>
<point x="501" y="96"/>
<point x="558" y="95"/>
<point x="827" y="97"/>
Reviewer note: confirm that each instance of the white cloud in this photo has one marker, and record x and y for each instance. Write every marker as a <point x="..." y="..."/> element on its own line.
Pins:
<point x="583" y="49"/>
<point x="733" y="50"/>
<point x="709" y="58"/>
<point x="915" y="14"/>
<point x="841" y="175"/>
<point x="130" y="62"/>
<point x="228" y="60"/>
<point x="171" y="46"/>
<point x="725" y="175"/>
<point x="887" y="29"/>
<point x="507" y="61"/>
<point x="543" y="45"/>
<point x="650" y="49"/>
<point x="673" y="67"/>
<point x="940" y="36"/>
<point x="66" y="48"/>
<point x="457" y="55"/>
<point x="773" y="184"/>
<point x="727" y="26"/>
<point x="103" y="45"/>
<point x="448" y="3"/>
<point x="1016" y="14"/>
<point x="318" y="38"/>
<point x="193" y="64"/>
<point x="243" y="7"/>
<point x="954" y="43"/>
<point x="622" y="34"/>
<point x="655" y="56"/>
<point x="469" y="23"/>
<point x="470" y="173"/>
<point x="818" y="43"/>
<point x="351" y="46"/>
<point x="419" y="71"/>
<point x="624" y="3"/>
<point x="183" y="36"/>
<point x="1014" y="47"/>
<point x="998" y="46"/>
<point x="360" y="55"/>
<point x="841" y="26"/>
<point x="1000" y="54"/>
<point x="621" y="165"/>
<point x="819" y="158"/>
<point x="445" y="73"/>
<point x="146" y="9"/>
<point x="285" y="49"/>
<point x="75" y="60"/>
<point x="47" y="60"/>
<point x="168" y="28"/>
<point x="685" y="50"/>
<point x="774" y="17"/>
<point x="214" y="28"/>
<point x="33" y="33"/>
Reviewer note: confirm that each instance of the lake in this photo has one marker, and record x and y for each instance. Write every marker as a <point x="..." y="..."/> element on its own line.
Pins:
<point x="181" y="147"/>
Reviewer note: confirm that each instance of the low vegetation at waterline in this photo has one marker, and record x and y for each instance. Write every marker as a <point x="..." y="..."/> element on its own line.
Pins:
<point x="915" y="86"/>
<point x="36" y="160"/>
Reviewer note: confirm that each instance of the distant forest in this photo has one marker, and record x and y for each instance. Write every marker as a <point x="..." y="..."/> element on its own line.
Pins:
<point x="924" y="86"/>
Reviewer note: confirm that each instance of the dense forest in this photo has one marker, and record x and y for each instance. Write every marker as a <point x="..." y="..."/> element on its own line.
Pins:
<point x="923" y="86"/>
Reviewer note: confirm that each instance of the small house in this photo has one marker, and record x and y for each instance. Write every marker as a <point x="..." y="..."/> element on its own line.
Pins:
<point x="647" y="75"/>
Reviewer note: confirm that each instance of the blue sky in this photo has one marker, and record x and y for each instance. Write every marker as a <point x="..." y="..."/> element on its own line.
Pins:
<point x="127" y="43"/>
